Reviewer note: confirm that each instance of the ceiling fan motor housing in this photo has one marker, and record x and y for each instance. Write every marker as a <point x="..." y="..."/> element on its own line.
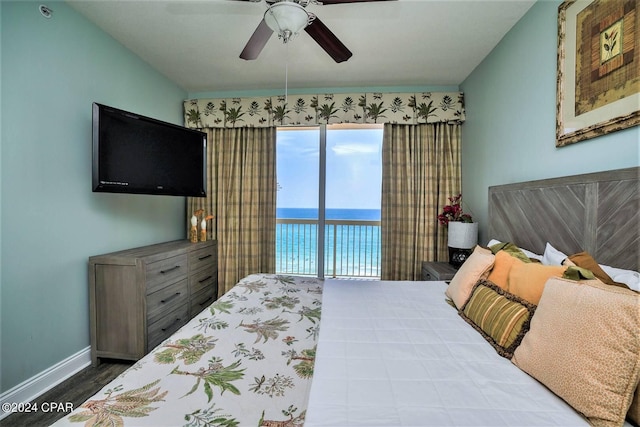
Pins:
<point x="302" y="3"/>
<point x="287" y="18"/>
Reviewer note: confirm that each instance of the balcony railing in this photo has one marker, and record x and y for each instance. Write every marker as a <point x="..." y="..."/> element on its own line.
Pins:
<point x="351" y="247"/>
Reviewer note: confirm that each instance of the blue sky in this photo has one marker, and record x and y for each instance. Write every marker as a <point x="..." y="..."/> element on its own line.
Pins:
<point x="354" y="169"/>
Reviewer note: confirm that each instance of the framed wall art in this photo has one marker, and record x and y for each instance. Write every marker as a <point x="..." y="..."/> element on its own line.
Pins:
<point x="598" y="80"/>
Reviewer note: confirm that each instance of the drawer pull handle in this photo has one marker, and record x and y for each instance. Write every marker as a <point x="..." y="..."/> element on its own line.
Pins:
<point x="205" y="279"/>
<point x="177" y="294"/>
<point x="202" y="258"/>
<point x="170" y="270"/>
<point x="203" y="303"/>
<point x="171" y="325"/>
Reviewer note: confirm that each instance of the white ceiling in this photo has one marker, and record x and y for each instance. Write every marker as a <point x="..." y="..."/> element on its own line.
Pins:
<point x="197" y="44"/>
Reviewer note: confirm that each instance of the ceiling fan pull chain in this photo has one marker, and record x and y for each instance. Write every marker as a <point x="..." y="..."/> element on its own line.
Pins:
<point x="286" y="77"/>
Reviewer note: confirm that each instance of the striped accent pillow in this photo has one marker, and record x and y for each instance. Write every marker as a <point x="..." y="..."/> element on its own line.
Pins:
<point x="502" y="318"/>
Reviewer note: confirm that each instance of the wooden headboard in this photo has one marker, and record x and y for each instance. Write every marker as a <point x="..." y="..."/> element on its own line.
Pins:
<point x="597" y="212"/>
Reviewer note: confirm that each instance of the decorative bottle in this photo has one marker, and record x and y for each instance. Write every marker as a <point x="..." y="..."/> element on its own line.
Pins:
<point x="193" y="233"/>
<point x="203" y="230"/>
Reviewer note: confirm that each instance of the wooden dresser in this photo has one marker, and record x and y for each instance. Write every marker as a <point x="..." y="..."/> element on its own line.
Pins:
<point x="139" y="297"/>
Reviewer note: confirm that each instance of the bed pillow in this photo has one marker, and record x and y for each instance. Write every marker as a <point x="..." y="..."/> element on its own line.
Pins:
<point x="511" y="249"/>
<point x="634" y="410"/>
<point x="475" y="267"/>
<point x="528" y="280"/>
<point x="500" y="272"/>
<point x="552" y="256"/>
<point x="583" y="344"/>
<point x="533" y="257"/>
<point x="573" y="272"/>
<point x="585" y="260"/>
<point x="502" y="318"/>
<point x="631" y="278"/>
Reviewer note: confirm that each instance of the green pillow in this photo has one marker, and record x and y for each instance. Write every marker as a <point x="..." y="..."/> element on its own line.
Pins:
<point x="511" y="249"/>
<point x="500" y="317"/>
<point x="578" y="273"/>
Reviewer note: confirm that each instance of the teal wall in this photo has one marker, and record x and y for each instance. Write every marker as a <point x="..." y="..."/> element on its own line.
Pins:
<point x="509" y="133"/>
<point x="1" y="198"/>
<point x="51" y="222"/>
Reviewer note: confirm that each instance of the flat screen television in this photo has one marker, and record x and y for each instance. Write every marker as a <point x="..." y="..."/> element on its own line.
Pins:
<point x="140" y="155"/>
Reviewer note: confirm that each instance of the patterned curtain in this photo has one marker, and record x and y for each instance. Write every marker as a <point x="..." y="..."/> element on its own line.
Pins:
<point x="241" y="194"/>
<point x="420" y="170"/>
<point x="327" y="108"/>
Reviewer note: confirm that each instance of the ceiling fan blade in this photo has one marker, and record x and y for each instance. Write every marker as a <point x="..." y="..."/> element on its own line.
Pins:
<point x="256" y="43"/>
<point x="348" y="1"/>
<point x="328" y="41"/>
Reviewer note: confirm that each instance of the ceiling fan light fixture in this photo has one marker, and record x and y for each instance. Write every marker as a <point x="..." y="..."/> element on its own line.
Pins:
<point x="287" y="19"/>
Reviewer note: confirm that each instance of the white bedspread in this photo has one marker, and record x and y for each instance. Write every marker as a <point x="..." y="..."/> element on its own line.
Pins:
<point x="396" y="354"/>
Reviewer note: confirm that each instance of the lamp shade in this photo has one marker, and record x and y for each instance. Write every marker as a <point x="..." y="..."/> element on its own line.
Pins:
<point x="462" y="235"/>
<point x="286" y="18"/>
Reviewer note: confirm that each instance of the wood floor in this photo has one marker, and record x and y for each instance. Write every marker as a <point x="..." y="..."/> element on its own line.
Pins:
<point x="75" y="390"/>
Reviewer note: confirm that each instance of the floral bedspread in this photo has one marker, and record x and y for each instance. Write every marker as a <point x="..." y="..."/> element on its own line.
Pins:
<point x="247" y="360"/>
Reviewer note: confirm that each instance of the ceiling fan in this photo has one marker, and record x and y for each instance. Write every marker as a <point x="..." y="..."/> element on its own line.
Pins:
<point x="287" y="18"/>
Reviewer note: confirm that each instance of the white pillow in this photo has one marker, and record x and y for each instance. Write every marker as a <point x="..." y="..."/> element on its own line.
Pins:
<point x="493" y="242"/>
<point x="552" y="256"/>
<point x="630" y="278"/>
<point x="529" y="254"/>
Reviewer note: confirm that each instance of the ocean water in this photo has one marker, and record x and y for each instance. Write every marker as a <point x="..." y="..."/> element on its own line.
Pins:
<point x="312" y="213"/>
<point x="350" y="250"/>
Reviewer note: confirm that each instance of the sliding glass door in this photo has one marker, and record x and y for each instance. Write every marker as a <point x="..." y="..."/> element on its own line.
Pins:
<point x="353" y="193"/>
<point x="297" y="213"/>
<point x="329" y="182"/>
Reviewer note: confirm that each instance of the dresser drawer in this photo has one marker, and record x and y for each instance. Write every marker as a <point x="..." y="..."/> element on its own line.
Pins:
<point x="166" y="299"/>
<point x="203" y="279"/>
<point x="202" y="300"/>
<point x="202" y="257"/>
<point x="168" y="324"/>
<point x="167" y="270"/>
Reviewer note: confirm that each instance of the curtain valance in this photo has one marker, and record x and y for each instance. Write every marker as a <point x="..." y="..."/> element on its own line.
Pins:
<point x="374" y="107"/>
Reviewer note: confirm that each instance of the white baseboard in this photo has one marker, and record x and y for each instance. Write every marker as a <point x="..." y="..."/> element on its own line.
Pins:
<point x="46" y="380"/>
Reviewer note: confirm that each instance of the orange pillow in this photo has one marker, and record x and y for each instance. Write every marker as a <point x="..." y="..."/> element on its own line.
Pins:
<point x="501" y="268"/>
<point x="527" y="280"/>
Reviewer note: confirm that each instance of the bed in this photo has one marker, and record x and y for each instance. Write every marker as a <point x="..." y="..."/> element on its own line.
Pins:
<point x="290" y="351"/>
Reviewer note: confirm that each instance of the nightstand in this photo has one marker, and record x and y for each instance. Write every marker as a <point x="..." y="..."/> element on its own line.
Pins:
<point x="437" y="271"/>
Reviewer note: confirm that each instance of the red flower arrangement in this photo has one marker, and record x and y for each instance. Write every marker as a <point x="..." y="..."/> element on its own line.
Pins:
<point x="453" y="212"/>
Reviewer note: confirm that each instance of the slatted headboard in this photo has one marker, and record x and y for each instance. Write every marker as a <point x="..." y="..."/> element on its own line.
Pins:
<point x="597" y="212"/>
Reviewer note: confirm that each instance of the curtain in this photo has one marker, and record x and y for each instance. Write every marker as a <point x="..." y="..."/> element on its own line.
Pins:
<point x="420" y="170"/>
<point x="241" y="194"/>
<point x="328" y="108"/>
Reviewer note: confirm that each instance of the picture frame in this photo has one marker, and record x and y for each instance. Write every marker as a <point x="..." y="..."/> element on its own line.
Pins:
<point x="598" y="74"/>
